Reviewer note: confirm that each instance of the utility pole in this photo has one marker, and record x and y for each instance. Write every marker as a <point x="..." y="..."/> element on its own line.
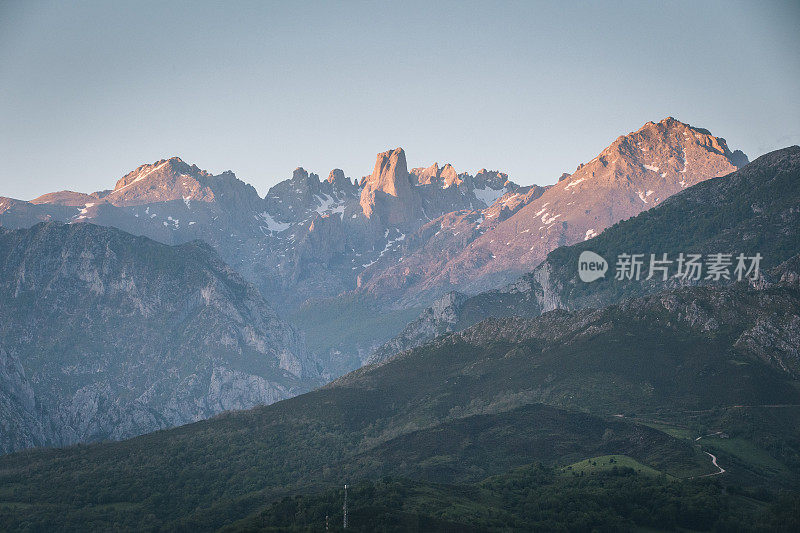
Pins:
<point x="345" y="507"/>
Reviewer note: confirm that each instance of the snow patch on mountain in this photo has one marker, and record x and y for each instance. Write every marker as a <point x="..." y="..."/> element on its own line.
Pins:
<point x="573" y="183"/>
<point x="141" y="176"/>
<point x="274" y="225"/>
<point x="488" y="196"/>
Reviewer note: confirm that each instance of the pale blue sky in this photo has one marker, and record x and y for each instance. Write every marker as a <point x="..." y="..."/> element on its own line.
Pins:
<point x="90" y="90"/>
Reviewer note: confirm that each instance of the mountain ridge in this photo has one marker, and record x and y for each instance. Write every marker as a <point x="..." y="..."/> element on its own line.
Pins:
<point x="397" y="239"/>
<point x="107" y="335"/>
<point x="758" y="201"/>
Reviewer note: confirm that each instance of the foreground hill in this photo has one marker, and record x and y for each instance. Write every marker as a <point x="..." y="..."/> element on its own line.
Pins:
<point x="753" y="210"/>
<point x="641" y="380"/>
<point x="609" y="493"/>
<point x="106" y="335"/>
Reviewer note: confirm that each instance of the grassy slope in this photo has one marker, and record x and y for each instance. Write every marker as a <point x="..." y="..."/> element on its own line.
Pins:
<point x="606" y="463"/>
<point x="531" y="498"/>
<point x="212" y="472"/>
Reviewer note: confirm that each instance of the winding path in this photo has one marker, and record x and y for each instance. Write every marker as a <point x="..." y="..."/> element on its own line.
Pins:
<point x="714" y="462"/>
<point x="713" y="457"/>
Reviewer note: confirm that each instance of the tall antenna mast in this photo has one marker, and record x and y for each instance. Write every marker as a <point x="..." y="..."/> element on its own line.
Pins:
<point x="345" y="507"/>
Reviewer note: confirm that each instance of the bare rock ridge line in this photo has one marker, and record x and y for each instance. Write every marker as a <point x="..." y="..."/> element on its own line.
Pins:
<point x="401" y="236"/>
<point x="173" y="202"/>
<point x="397" y="238"/>
<point x="751" y="210"/>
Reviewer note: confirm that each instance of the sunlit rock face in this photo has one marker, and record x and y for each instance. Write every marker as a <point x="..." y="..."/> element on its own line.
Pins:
<point x="750" y="211"/>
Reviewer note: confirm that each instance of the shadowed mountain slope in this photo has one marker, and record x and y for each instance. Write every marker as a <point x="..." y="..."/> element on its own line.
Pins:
<point x="106" y="335"/>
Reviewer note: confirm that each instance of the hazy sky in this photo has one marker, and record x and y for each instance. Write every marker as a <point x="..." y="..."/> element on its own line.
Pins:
<point x="91" y="90"/>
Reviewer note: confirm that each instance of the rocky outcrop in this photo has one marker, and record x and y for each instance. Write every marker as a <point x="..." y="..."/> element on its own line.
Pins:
<point x="388" y="192"/>
<point x="441" y="318"/>
<point x="107" y="335"/>
<point x="444" y="177"/>
<point x="760" y="323"/>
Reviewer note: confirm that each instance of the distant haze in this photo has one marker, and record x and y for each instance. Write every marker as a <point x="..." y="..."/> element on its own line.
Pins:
<point x="91" y="90"/>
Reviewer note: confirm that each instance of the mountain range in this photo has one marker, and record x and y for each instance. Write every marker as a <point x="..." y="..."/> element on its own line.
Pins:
<point x="380" y="249"/>
<point x="753" y="210"/>
<point x="548" y="397"/>
<point x="637" y="382"/>
<point x="361" y="256"/>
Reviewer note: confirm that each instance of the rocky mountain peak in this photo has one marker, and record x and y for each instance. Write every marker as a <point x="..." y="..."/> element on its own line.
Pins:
<point x="164" y="180"/>
<point x="305" y="183"/>
<point x="426" y="175"/>
<point x="390" y="185"/>
<point x="337" y="181"/>
<point x="450" y="176"/>
<point x="442" y="176"/>
<point x="336" y="176"/>
<point x="305" y="179"/>
<point x="668" y="153"/>
<point x="390" y="174"/>
<point x="65" y="198"/>
<point x="493" y="179"/>
<point x="159" y="168"/>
